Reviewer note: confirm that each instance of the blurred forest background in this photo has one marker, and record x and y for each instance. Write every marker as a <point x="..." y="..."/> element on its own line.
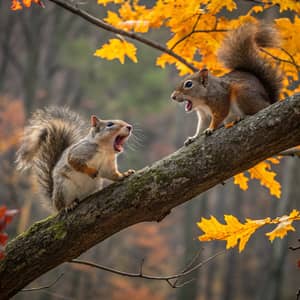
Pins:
<point x="46" y="57"/>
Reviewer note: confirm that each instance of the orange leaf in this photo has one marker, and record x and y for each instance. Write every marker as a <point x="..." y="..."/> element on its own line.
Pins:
<point x="15" y="5"/>
<point x="27" y="3"/>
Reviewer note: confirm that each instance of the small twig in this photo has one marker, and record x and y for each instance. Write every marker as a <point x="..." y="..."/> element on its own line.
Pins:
<point x="295" y="151"/>
<point x="259" y="2"/>
<point x="141" y="266"/>
<point x="292" y="59"/>
<point x="295" y="248"/>
<point x="57" y="296"/>
<point x="185" y="37"/>
<point x="130" y="34"/>
<point x="176" y="285"/>
<point x="45" y="286"/>
<point x="190" y="264"/>
<point x="197" y="31"/>
<point x="140" y="274"/>
<point x="293" y="62"/>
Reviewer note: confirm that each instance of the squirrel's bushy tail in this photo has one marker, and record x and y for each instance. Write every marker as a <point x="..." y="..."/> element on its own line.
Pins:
<point x="240" y="51"/>
<point x="48" y="134"/>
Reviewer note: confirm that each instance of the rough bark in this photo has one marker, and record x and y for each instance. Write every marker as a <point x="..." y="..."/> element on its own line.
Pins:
<point x="150" y="194"/>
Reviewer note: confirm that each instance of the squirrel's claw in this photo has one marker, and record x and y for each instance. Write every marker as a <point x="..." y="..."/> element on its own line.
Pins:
<point x="71" y="206"/>
<point x="128" y="172"/>
<point x="189" y="141"/>
<point x="208" y="131"/>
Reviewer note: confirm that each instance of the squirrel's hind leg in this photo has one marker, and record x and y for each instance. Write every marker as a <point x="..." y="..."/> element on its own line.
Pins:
<point x="71" y="206"/>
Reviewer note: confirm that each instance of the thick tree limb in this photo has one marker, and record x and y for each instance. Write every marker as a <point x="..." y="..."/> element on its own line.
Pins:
<point x="150" y="194"/>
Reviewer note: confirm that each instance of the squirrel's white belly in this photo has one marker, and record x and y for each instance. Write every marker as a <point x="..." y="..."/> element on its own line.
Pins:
<point x="80" y="186"/>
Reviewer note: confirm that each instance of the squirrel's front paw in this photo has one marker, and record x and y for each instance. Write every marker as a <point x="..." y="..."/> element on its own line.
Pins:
<point x="189" y="141"/>
<point x="128" y="173"/>
<point x="208" y="131"/>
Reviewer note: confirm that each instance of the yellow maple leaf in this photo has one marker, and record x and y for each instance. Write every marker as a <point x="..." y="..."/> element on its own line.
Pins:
<point x="285" y="225"/>
<point x="241" y="180"/>
<point x="113" y="18"/>
<point x="266" y="177"/>
<point x="287" y="5"/>
<point x="200" y="47"/>
<point x="105" y="2"/>
<point x="117" y="49"/>
<point x="274" y="160"/>
<point x="236" y="233"/>
<point x="262" y="173"/>
<point x="233" y="231"/>
<point x="217" y="5"/>
<point x="138" y="26"/>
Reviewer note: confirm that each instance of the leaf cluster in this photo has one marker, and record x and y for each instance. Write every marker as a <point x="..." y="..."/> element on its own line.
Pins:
<point x="238" y="234"/>
<point x="6" y="216"/>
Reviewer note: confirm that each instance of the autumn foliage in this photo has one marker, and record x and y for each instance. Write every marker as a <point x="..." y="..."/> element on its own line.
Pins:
<point x="236" y="233"/>
<point x="6" y="217"/>
<point x="196" y="32"/>
<point x="19" y="4"/>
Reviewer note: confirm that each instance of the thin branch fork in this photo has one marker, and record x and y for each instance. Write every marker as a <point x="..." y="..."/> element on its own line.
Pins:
<point x="188" y="270"/>
<point x="130" y="34"/>
<point x="295" y="248"/>
<point x="39" y="288"/>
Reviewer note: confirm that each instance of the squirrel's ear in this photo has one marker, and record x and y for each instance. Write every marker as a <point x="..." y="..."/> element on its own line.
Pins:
<point x="94" y="121"/>
<point x="204" y="76"/>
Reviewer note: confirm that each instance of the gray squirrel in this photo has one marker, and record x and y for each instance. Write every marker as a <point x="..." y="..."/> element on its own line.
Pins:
<point x="251" y="85"/>
<point x="68" y="158"/>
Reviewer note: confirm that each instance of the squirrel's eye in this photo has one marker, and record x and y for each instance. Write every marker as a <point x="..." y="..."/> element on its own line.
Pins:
<point x="188" y="84"/>
<point x="109" y="124"/>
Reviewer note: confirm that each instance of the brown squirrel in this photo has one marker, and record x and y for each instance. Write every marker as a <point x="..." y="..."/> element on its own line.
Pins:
<point x="252" y="85"/>
<point x="67" y="157"/>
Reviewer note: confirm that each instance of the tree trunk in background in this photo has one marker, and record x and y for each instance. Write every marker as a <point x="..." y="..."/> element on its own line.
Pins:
<point x="272" y="288"/>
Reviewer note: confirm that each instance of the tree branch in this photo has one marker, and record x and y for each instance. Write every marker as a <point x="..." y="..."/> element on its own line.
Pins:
<point x="194" y="30"/>
<point x="45" y="286"/>
<point x="292" y="61"/>
<point x="130" y="34"/>
<point x="188" y="270"/>
<point x="150" y="194"/>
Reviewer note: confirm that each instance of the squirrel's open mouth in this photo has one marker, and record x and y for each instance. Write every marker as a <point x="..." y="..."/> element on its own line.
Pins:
<point x="188" y="105"/>
<point x="119" y="142"/>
